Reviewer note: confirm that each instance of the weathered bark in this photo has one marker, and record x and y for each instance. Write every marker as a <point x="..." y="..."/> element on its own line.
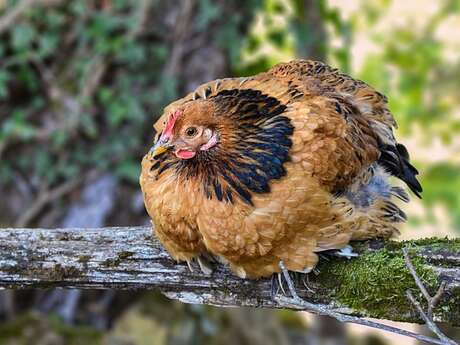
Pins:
<point x="129" y="258"/>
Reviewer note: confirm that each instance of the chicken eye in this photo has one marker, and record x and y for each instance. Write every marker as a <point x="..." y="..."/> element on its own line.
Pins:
<point x="191" y="132"/>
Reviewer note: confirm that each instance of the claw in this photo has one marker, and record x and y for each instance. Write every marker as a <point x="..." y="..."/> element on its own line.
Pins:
<point x="280" y="282"/>
<point x="288" y="279"/>
<point x="205" y="265"/>
<point x="306" y="282"/>
<point x="277" y="284"/>
<point x="189" y="264"/>
<point x="273" y="287"/>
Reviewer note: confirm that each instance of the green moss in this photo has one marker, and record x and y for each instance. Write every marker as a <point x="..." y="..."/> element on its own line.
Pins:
<point x="111" y="262"/>
<point x="58" y="272"/>
<point x="28" y="328"/>
<point x="449" y="308"/>
<point x="61" y="272"/>
<point x="441" y="251"/>
<point x="76" y="334"/>
<point x="84" y="258"/>
<point x="375" y="282"/>
<point x="452" y="245"/>
<point x="125" y="254"/>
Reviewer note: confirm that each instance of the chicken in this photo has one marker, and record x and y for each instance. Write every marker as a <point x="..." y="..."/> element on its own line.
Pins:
<point x="275" y="167"/>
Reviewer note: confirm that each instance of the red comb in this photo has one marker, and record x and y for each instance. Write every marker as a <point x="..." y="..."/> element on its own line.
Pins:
<point x="167" y="131"/>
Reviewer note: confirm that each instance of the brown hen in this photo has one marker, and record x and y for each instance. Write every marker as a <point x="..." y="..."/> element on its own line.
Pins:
<point x="278" y="166"/>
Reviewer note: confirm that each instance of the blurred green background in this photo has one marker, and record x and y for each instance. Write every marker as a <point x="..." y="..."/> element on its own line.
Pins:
<point x="82" y="82"/>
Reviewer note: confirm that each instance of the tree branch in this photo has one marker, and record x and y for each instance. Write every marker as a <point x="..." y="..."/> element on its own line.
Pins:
<point x="12" y="15"/>
<point x="298" y="303"/>
<point x="128" y="258"/>
<point x="432" y="301"/>
<point x="46" y="196"/>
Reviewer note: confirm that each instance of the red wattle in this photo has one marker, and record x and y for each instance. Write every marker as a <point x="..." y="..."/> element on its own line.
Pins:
<point x="184" y="154"/>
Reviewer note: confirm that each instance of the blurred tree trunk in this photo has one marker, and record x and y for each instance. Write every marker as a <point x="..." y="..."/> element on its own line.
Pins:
<point x="309" y="30"/>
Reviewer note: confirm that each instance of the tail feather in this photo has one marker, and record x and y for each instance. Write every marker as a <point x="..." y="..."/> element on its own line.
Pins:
<point x="396" y="160"/>
<point x="399" y="193"/>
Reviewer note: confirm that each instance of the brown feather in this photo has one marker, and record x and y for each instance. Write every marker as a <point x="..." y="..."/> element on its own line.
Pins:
<point x="296" y="170"/>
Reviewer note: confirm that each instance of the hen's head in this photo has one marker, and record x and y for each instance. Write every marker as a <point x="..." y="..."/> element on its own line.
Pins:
<point x="188" y="130"/>
<point x="234" y="142"/>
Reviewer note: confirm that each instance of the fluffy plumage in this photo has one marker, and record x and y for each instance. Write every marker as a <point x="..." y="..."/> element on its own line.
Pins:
<point x="278" y="166"/>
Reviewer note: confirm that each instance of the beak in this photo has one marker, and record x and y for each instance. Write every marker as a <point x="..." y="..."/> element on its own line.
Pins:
<point x="160" y="147"/>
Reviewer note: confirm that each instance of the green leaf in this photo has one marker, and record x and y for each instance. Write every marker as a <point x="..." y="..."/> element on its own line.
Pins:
<point x="47" y="44"/>
<point x="22" y="36"/>
<point x="17" y="126"/>
<point x="208" y="12"/>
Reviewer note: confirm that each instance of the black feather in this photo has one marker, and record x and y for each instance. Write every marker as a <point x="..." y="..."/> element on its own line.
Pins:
<point x="396" y="160"/>
<point x="261" y="147"/>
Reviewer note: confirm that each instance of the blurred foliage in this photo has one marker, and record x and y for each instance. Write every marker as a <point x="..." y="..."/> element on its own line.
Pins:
<point x="49" y="61"/>
<point x="422" y="87"/>
<point x="38" y="330"/>
<point x="81" y="83"/>
<point x="284" y="30"/>
<point x="157" y="321"/>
